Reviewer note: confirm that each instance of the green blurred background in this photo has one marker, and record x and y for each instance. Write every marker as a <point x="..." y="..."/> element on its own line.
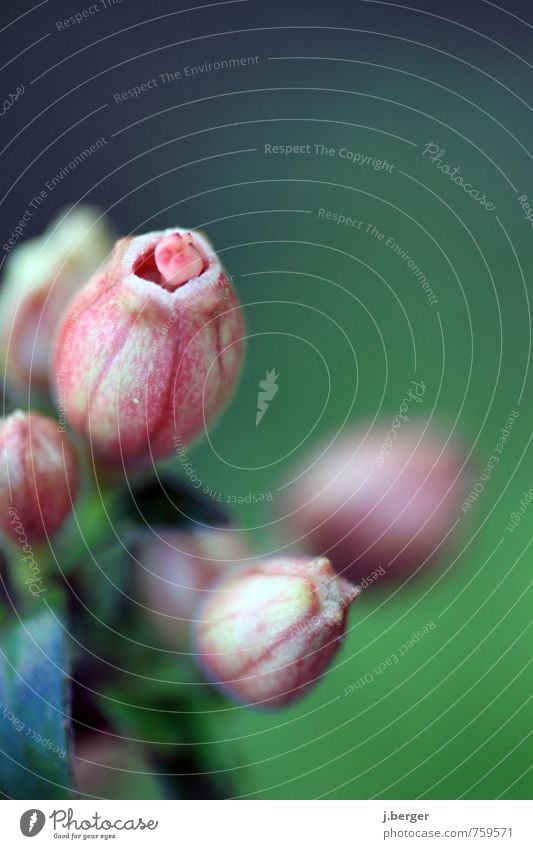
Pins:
<point x="346" y="325"/>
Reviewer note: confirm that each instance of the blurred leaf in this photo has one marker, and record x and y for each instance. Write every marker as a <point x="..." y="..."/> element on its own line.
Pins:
<point x="149" y="708"/>
<point x="91" y="528"/>
<point x="34" y="710"/>
<point x="98" y="588"/>
<point x="181" y="721"/>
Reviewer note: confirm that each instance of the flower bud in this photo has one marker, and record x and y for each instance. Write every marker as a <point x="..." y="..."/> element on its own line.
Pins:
<point x="174" y="570"/>
<point x="270" y="630"/>
<point x="41" y="276"/>
<point x="150" y="349"/>
<point x="108" y="767"/>
<point x="38" y="477"/>
<point x="380" y="504"/>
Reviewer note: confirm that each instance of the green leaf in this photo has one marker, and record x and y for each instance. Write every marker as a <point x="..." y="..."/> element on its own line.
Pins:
<point x="92" y="529"/>
<point x="181" y="722"/>
<point x="34" y="709"/>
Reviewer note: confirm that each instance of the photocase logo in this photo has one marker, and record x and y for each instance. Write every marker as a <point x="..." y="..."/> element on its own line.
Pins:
<point x="268" y="389"/>
<point x="32" y="822"/>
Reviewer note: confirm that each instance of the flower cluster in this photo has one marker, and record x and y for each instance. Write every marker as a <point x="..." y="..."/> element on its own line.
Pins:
<point x="140" y="352"/>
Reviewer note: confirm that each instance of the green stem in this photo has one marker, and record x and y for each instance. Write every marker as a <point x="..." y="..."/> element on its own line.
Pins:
<point x="32" y="572"/>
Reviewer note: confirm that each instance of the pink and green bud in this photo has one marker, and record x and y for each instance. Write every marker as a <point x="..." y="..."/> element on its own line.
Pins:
<point x="174" y="570"/>
<point x="41" y="276"/>
<point x="150" y="350"/>
<point x="380" y="504"/>
<point x="269" y="631"/>
<point x="38" y="477"/>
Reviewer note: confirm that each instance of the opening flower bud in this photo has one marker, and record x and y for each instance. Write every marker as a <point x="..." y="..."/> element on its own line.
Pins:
<point x="381" y="505"/>
<point x="41" y="276"/>
<point x="177" y="260"/>
<point x="269" y="631"/>
<point x="38" y="477"/>
<point x="150" y="350"/>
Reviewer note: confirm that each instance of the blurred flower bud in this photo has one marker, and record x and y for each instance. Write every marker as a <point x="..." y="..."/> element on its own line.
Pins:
<point x="41" y="276"/>
<point x="106" y="767"/>
<point x="146" y="355"/>
<point x="175" y="568"/>
<point x="267" y="632"/>
<point x="38" y="477"/>
<point x="379" y="504"/>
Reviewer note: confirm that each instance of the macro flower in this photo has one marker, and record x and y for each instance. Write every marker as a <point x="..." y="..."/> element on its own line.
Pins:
<point x="173" y="570"/>
<point x="150" y="350"/>
<point x="268" y="631"/>
<point x="379" y="506"/>
<point x="38" y="477"/>
<point x="41" y="276"/>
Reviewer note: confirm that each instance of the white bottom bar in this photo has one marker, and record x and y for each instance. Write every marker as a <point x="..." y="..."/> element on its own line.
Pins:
<point x="269" y="824"/>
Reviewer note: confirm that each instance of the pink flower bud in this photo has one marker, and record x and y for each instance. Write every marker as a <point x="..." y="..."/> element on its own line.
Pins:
<point x="41" y="276"/>
<point x="174" y="570"/>
<point x="379" y="504"/>
<point x="38" y="477"/>
<point x="108" y="767"/>
<point x="150" y="349"/>
<point x="270" y="630"/>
